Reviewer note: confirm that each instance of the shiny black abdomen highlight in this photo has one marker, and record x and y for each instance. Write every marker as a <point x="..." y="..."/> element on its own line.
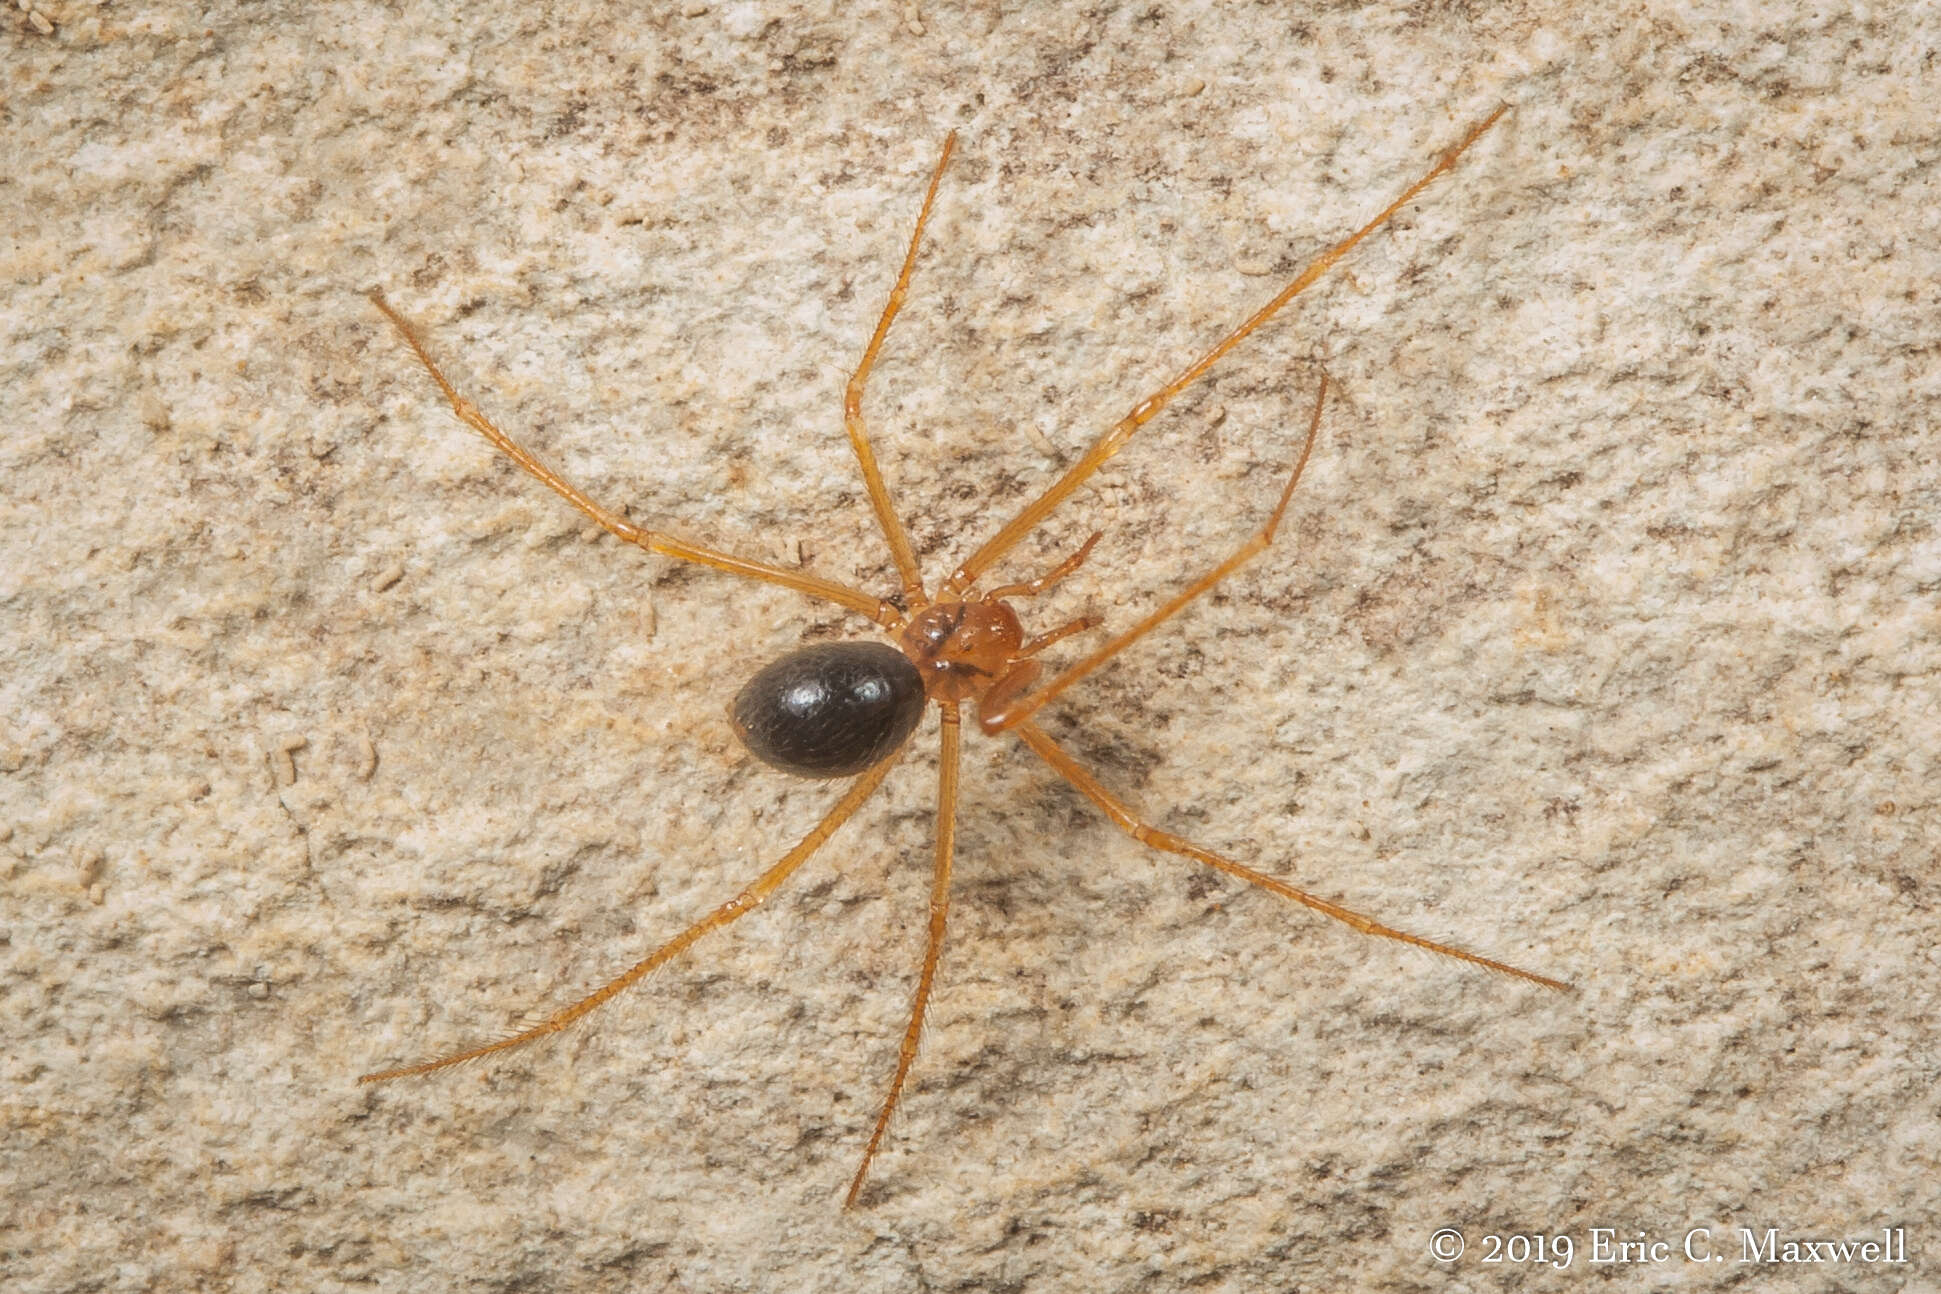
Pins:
<point x="830" y="710"/>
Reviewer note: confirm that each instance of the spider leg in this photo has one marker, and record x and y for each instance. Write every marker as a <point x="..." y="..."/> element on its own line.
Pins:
<point x="1010" y="713"/>
<point x="739" y="906"/>
<point x="1033" y="646"/>
<point x="939" y="915"/>
<point x="653" y="541"/>
<point x="852" y="403"/>
<point x="1129" y="822"/>
<point x="1032" y="588"/>
<point x="1120" y="432"/>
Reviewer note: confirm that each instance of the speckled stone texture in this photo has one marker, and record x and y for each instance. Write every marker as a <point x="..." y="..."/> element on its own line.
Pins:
<point x="1602" y="637"/>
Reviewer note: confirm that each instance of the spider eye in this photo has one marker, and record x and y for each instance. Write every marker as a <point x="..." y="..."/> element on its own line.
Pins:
<point x="831" y="710"/>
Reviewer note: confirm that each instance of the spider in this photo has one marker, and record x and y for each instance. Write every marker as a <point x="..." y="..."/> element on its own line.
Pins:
<point x="847" y="709"/>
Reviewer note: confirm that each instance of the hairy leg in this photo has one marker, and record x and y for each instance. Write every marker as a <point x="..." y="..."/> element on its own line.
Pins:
<point x="733" y="910"/>
<point x="1133" y="825"/>
<point x="933" y="950"/>
<point x="1120" y="432"/>
<point x="883" y="613"/>
<point x="852" y="404"/>
<point x="1008" y="713"/>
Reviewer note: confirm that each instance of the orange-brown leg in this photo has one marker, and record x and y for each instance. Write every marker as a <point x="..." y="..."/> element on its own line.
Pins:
<point x="999" y="713"/>
<point x="883" y="613"/>
<point x="1115" y="438"/>
<point x="1032" y="588"/>
<point x="1062" y="632"/>
<point x="1130" y="823"/>
<point x="939" y="916"/>
<point x="852" y="404"/>
<point x="734" y="909"/>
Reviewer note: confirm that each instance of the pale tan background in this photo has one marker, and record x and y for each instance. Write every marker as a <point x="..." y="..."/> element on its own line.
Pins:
<point x="1602" y="638"/>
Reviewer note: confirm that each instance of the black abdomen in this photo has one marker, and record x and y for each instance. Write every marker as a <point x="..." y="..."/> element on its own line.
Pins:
<point x="830" y="710"/>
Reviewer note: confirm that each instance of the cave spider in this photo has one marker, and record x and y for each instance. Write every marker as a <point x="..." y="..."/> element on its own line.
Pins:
<point x="848" y="709"/>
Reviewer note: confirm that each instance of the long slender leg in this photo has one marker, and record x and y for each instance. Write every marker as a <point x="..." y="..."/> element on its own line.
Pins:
<point x="1032" y="646"/>
<point x="734" y="909"/>
<point x="852" y="403"/>
<point x="1032" y="588"/>
<point x="883" y="613"/>
<point x="1130" y="823"/>
<point x="939" y="915"/>
<point x="1120" y="432"/>
<point x="1011" y="713"/>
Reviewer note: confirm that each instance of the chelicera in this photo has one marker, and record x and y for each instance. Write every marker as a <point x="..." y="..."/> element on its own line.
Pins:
<point x="848" y="709"/>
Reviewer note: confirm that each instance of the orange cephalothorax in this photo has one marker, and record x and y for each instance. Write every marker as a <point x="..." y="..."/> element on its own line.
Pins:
<point x="962" y="648"/>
